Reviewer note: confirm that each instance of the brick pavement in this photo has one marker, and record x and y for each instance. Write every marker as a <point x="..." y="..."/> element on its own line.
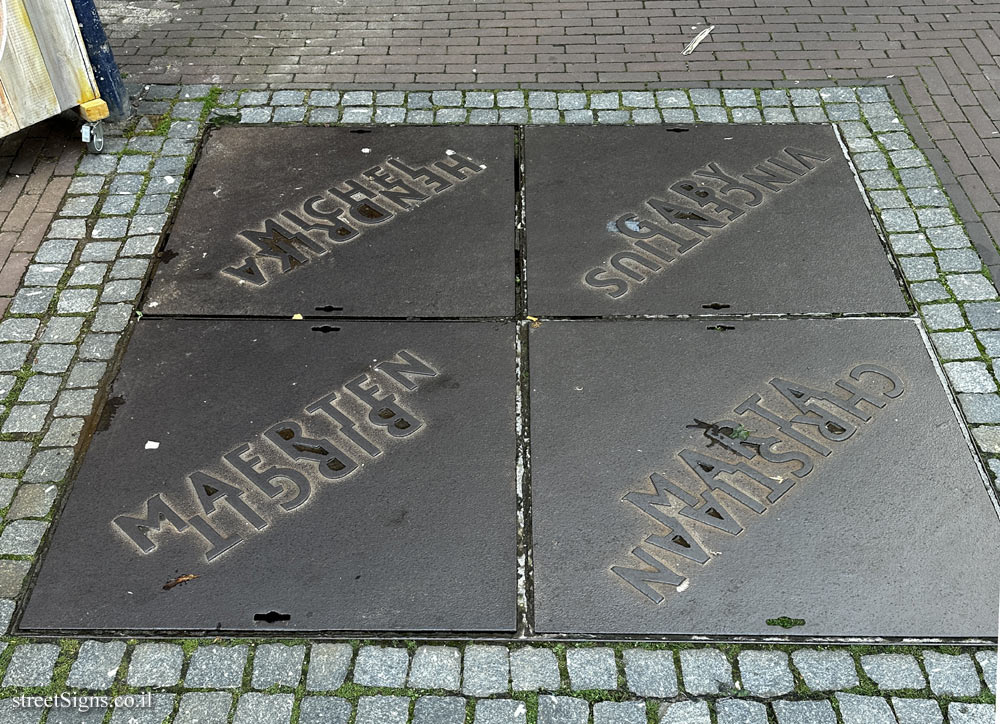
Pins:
<point x="36" y="166"/>
<point x="943" y="57"/>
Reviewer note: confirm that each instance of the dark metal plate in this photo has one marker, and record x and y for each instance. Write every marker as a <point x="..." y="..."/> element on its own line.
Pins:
<point x="881" y="527"/>
<point x="376" y="222"/>
<point x="622" y="221"/>
<point x="410" y="523"/>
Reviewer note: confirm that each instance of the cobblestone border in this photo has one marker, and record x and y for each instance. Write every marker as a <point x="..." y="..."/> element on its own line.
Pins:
<point x="61" y="332"/>
<point x="327" y="683"/>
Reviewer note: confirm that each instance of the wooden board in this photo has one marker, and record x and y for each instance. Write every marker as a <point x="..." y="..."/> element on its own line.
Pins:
<point x="24" y="79"/>
<point x="63" y="51"/>
<point x="8" y="124"/>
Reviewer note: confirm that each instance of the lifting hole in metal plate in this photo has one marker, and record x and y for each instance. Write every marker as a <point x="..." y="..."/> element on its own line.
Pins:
<point x="360" y="130"/>
<point x="328" y="308"/>
<point x="715" y="305"/>
<point x="677" y="130"/>
<point x="271" y="617"/>
<point x="720" y="328"/>
<point x="326" y="328"/>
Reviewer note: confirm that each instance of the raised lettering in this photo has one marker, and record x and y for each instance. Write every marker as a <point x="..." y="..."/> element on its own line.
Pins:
<point x="829" y="425"/>
<point x="595" y="280"/>
<point x="384" y="411"/>
<point x="158" y="512"/>
<point x="457" y="164"/>
<point x="361" y="203"/>
<point x="402" y="371"/>
<point x="331" y="462"/>
<point x="768" y="178"/>
<point x="210" y="491"/>
<point x="403" y="195"/>
<point x="640" y="578"/>
<point x="897" y="384"/>
<point x="347" y="426"/>
<point x="264" y="479"/>
<point x="618" y="263"/>
<point x="631" y="226"/>
<point x="708" y="469"/>
<point x="337" y="229"/>
<point x="249" y="272"/>
<point x="752" y="404"/>
<point x="218" y="543"/>
<point x="804" y="157"/>
<point x="763" y="446"/>
<point x="705" y="196"/>
<point x="680" y="541"/>
<point x="276" y="242"/>
<point x="731" y="183"/>
<point x="683" y="216"/>
<point x="435" y="182"/>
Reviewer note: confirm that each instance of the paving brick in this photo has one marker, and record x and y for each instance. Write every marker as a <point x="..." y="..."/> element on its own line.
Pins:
<point x="328" y="665"/>
<point x="257" y="708"/>
<point x="324" y="710"/>
<point x="592" y="668"/>
<point x="12" y="574"/>
<point x="534" y="669"/>
<point x="33" y="500"/>
<point x="277" y="664"/>
<point x="216" y="667"/>
<point x="436" y="667"/>
<point x="31" y="665"/>
<point x="155" y="665"/>
<point x="562" y="710"/>
<point x="96" y="665"/>
<point x="381" y="666"/>
<point x="204" y="707"/>
<point x="685" y="712"/>
<point x="917" y="711"/>
<point x="856" y="709"/>
<point x="499" y="711"/>
<point x="951" y="675"/>
<point x="804" y="712"/>
<point x="959" y="713"/>
<point x="439" y="710"/>
<point x="739" y="711"/>
<point x="765" y="673"/>
<point x="621" y="712"/>
<point x="983" y="315"/>
<point x="826" y="670"/>
<point x="892" y="672"/>
<point x="972" y="287"/>
<point x="486" y="670"/>
<point x="988" y="663"/>
<point x="650" y="673"/>
<point x="706" y="671"/>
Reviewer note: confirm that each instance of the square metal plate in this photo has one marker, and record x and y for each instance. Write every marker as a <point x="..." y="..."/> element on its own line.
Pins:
<point x="698" y="219"/>
<point x="659" y="508"/>
<point x="358" y="477"/>
<point x="365" y="222"/>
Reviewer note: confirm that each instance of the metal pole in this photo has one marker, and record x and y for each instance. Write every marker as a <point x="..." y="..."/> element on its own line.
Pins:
<point x="102" y="60"/>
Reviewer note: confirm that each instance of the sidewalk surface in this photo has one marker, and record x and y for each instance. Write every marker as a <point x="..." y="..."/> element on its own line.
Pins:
<point x="944" y="55"/>
<point x="78" y="234"/>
